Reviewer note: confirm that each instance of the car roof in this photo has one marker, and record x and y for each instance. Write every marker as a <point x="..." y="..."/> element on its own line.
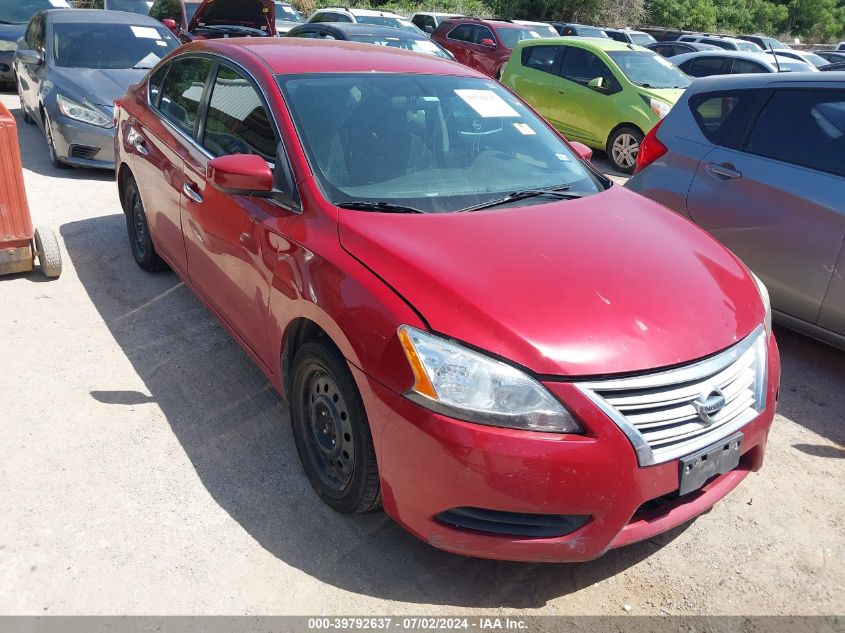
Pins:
<point x="355" y="11"/>
<point x="293" y="56"/>
<point x="601" y="43"/>
<point x="98" y="16"/>
<point x="357" y="28"/>
<point x="499" y="24"/>
<point x="762" y="56"/>
<point x="766" y="80"/>
<point x="437" y="14"/>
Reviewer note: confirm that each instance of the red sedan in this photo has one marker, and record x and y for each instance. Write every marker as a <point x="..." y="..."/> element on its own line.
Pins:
<point x="472" y="326"/>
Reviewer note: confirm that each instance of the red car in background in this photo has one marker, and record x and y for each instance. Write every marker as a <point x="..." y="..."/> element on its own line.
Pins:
<point x="485" y="45"/>
<point x="471" y="325"/>
<point x="212" y="19"/>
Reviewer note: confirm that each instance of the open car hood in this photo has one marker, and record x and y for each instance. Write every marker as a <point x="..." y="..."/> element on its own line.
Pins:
<point x="255" y="14"/>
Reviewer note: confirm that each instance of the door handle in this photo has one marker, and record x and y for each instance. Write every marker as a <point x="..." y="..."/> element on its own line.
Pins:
<point x="723" y="171"/>
<point x="191" y="193"/>
<point x="561" y="92"/>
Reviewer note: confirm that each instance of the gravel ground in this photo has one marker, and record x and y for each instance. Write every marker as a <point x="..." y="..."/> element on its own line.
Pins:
<point x="147" y="467"/>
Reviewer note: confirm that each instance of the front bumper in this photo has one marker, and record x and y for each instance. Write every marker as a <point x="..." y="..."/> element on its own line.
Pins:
<point x="81" y="144"/>
<point x="430" y="464"/>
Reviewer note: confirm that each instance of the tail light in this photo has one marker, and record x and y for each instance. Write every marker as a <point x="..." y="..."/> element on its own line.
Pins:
<point x="650" y="149"/>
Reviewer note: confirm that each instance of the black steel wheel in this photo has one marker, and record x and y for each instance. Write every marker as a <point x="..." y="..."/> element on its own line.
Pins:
<point x="331" y="430"/>
<point x="139" y="230"/>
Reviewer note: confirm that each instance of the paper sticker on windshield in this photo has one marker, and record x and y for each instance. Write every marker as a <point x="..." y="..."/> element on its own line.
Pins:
<point x="146" y="32"/>
<point x="162" y="43"/>
<point x="60" y="4"/>
<point x="663" y="61"/>
<point x="487" y="103"/>
<point x="428" y="45"/>
<point x="535" y="34"/>
<point x="563" y="157"/>
<point x="524" y="128"/>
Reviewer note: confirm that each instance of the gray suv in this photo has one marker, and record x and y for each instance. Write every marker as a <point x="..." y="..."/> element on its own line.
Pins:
<point x="757" y="160"/>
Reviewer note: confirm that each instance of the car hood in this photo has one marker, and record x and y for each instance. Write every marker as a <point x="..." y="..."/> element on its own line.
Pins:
<point x="256" y="14"/>
<point x="607" y="284"/>
<point x="669" y="95"/>
<point x="98" y="86"/>
<point x="11" y="32"/>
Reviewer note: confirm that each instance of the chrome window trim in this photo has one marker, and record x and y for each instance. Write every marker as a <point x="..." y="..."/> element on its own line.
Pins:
<point x="696" y="371"/>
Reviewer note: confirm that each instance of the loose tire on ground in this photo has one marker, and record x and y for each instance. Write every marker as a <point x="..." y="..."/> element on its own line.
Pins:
<point x="331" y="430"/>
<point x="47" y="249"/>
<point x="623" y="147"/>
<point x="140" y="241"/>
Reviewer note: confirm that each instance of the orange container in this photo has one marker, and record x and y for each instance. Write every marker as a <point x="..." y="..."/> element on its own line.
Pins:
<point x="15" y="222"/>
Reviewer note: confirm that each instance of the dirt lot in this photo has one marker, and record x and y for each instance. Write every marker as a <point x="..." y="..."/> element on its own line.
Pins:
<point x="147" y="467"/>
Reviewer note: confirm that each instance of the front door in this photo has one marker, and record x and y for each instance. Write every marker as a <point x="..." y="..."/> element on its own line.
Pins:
<point x="777" y="199"/>
<point x="230" y="257"/>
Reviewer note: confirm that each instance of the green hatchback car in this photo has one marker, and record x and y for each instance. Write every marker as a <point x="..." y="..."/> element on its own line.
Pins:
<point x="603" y="93"/>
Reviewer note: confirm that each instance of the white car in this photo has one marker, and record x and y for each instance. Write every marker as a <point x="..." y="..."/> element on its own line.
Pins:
<point x="363" y="16"/>
<point x="428" y="21"/>
<point x="727" y="43"/>
<point x="541" y="28"/>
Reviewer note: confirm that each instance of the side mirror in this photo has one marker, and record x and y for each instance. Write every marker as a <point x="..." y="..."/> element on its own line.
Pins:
<point x="596" y="84"/>
<point x="428" y="29"/>
<point x="488" y="42"/>
<point x="171" y="24"/>
<point x="28" y="56"/>
<point x="582" y="150"/>
<point x="243" y="174"/>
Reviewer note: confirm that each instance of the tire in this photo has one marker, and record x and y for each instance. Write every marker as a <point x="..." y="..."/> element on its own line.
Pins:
<point x="140" y="240"/>
<point x="47" y="249"/>
<point x="27" y="118"/>
<point x="51" y="146"/>
<point x="331" y="430"/>
<point x="623" y="147"/>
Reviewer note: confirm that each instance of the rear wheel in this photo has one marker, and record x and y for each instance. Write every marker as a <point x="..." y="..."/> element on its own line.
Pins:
<point x="138" y="229"/>
<point x="331" y="430"/>
<point x="623" y="146"/>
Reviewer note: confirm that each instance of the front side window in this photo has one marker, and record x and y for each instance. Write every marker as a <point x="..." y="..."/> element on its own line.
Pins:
<point x="21" y="11"/>
<point x="110" y="46"/>
<point x="483" y="33"/>
<point x="648" y="69"/>
<point x="167" y="10"/>
<point x="434" y="143"/>
<point x="720" y="43"/>
<point x="707" y="66"/>
<point x="540" y="58"/>
<point x="582" y="66"/>
<point x="744" y="66"/>
<point x="803" y="127"/>
<point x="511" y="37"/>
<point x="237" y="121"/>
<point x="182" y="92"/>
<point x="616" y="35"/>
<point x="156" y="81"/>
<point x="462" y="33"/>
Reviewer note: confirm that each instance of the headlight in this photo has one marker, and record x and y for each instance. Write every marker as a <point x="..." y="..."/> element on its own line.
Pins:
<point x="764" y="297"/>
<point x="82" y="112"/>
<point x="466" y="385"/>
<point x="660" y="108"/>
<point x="7" y="46"/>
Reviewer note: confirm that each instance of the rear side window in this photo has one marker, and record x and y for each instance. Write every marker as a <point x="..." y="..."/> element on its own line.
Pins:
<point x="238" y="122"/>
<point x="715" y="112"/>
<point x="619" y="37"/>
<point x="540" y="58"/>
<point x="462" y="33"/>
<point x="802" y="127"/>
<point x="182" y="92"/>
<point x="726" y="45"/>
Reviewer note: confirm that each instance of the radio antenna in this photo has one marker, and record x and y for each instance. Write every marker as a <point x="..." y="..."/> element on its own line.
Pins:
<point x="775" y="55"/>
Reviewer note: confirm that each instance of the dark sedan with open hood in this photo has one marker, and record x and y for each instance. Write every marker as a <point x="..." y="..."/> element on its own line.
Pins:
<point x="72" y="65"/>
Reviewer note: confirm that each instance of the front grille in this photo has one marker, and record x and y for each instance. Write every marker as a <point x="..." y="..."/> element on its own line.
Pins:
<point x="661" y="413"/>
<point x="83" y="151"/>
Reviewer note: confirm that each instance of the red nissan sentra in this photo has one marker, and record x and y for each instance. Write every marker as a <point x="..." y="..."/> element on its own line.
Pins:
<point x="472" y="326"/>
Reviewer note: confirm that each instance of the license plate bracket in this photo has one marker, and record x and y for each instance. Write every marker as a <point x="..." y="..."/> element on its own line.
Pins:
<point x="716" y="459"/>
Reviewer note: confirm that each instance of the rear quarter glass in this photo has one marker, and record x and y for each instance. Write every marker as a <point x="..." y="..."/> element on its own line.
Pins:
<point x="715" y="113"/>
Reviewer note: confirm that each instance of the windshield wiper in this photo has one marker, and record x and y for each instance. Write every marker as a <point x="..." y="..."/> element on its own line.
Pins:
<point x="374" y="205"/>
<point x="558" y="192"/>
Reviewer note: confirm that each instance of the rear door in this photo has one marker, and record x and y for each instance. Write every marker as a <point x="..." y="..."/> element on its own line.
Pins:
<point x="225" y="241"/>
<point x="776" y="196"/>
<point x="538" y="80"/>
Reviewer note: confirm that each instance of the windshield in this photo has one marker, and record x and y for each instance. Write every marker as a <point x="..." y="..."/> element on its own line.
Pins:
<point x="649" y="70"/>
<point x="751" y="47"/>
<point x="384" y="20"/>
<point x="91" y="45"/>
<point x="20" y="11"/>
<point x="788" y="65"/>
<point x="643" y="39"/>
<point x="405" y="43"/>
<point x="435" y="143"/>
<point x="191" y="9"/>
<point x="131" y="6"/>
<point x="510" y="37"/>
<point x="543" y="30"/>
<point x="286" y="13"/>
<point x="816" y="60"/>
